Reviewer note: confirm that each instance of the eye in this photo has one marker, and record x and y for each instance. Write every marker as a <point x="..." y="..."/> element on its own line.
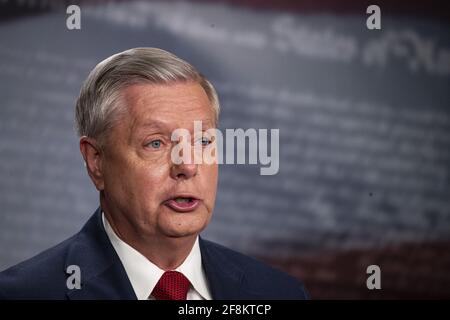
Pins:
<point x="206" y="141"/>
<point x="156" y="144"/>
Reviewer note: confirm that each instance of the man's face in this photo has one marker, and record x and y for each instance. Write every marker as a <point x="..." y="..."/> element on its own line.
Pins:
<point x="140" y="182"/>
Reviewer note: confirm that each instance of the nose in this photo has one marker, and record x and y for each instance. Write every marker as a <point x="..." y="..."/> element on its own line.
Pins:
<point x="184" y="168"/>
<point x="183" y="171"/>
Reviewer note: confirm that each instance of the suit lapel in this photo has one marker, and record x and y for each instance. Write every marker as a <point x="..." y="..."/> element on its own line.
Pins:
<point x="104" y="277"/>
<point x="111" y="284"/>
<point x="225" y="279"/>
<point x="102" y="273"/>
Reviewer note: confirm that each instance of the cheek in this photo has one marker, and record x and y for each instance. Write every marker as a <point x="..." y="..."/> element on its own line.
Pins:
<point x="151" y="179"/>
<point x="210" y="181"/>
<point x="120" y="184"/>
<point x="133" y="178"/>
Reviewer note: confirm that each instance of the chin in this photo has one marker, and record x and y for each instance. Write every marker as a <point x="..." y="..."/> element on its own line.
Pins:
<point x="183" y="226"/>
<point x="180" y="232"/>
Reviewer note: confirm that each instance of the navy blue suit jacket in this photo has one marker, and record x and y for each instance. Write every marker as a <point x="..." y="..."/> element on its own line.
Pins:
<point x="230" y="275"/>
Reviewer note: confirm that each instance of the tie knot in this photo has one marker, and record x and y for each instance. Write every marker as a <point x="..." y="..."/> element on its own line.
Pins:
<point x="172" y="285"/>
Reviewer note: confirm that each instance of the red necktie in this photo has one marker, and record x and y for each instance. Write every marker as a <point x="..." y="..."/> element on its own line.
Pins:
<point x="172" y="285"/>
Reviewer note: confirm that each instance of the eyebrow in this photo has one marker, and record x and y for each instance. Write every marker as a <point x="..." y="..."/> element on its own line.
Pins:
<point x="153" y="124"/>
<point x="207" y="123"/>
<point x="136" y="129"/>
<point x="162" y="125"/>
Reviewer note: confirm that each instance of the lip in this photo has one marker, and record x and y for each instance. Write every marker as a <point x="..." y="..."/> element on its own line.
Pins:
<point x="183" y="206"/>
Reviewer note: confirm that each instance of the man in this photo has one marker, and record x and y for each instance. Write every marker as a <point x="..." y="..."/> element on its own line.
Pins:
<point x="143" y="241"/>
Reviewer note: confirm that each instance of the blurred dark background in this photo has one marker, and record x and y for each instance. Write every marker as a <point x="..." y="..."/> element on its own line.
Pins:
<point x="364" y="119"/>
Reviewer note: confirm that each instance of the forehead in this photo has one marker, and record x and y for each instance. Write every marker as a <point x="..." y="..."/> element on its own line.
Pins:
<point x="172" y="105"/>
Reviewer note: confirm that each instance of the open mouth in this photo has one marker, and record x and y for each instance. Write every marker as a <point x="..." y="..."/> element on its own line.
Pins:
<point x="182" y="204"/>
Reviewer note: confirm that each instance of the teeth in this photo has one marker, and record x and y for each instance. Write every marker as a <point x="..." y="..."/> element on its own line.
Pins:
<point x="182" y="200"/>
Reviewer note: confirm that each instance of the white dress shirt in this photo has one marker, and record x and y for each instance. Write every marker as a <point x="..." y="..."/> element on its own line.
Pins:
<point x="144" y="275"/>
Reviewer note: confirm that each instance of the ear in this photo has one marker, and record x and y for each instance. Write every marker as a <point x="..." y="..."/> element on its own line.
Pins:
<point x="92" y="156"/>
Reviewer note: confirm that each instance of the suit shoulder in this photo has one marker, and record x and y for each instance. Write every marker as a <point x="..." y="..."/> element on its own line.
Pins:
<point x="259" y="276"/>
<point x="40" y="277"/>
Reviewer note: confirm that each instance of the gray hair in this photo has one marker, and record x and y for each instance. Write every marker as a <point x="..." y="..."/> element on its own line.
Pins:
<point x="98" y="106"/>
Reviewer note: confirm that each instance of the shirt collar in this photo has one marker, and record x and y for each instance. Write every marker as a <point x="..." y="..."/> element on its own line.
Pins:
<point x="144" y="275"/>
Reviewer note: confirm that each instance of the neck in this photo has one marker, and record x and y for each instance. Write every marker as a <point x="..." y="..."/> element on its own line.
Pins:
<point x="168" y="253"/>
